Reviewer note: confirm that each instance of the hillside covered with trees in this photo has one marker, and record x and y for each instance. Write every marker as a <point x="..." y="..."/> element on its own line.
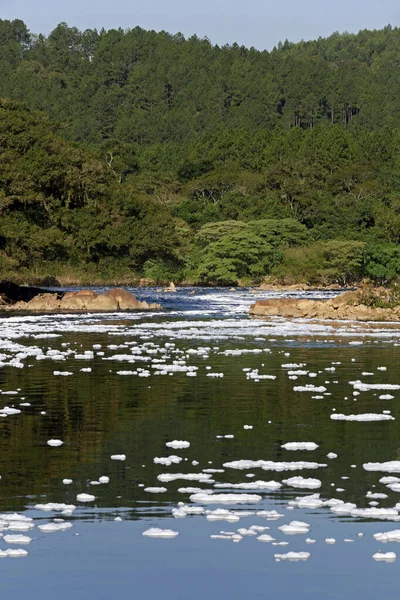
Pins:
<point x="130" y="153"/>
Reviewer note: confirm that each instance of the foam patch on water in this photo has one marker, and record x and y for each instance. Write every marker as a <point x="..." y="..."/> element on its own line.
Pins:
<point x="13" y="553"/>
<point x="361" y="417"/>
<point x="384" y="556"/>
<point x="178" y="444"/>
<point x="294" y="528"/>
<point x="300" y="446"/>
<point x="85" y="497"/>
<point x="202" y="498"/>
<point x="17" y="539"/>
<point x="301" y="482"/>
<point x="155" y="532"/>
<point x="392" y="466"/>
<point x="269" y="465"/>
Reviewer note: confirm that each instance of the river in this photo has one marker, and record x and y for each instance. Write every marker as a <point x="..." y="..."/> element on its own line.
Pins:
<point x="192" y="450"/>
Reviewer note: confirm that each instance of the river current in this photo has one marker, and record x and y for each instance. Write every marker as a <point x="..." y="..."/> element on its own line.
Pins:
<point x="197" y="452"/>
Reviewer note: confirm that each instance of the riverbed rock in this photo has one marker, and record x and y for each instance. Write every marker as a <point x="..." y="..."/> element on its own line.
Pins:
<point x="102" y="302"/>
<point x="44" y="302"/>
<point x="82" y="300"/>
<point x="343" y="307"/>
<point x="126" y="300"/>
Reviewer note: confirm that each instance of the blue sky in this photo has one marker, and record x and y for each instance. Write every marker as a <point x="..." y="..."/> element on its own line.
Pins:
<point x="259" y="23"/>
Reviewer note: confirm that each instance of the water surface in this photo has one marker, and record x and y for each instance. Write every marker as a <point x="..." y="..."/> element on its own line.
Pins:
<point x="192" y="372"/>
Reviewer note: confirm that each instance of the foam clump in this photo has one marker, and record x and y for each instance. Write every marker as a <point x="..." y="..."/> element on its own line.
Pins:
<point x="7" y="410"/>
<point x="292" y="556"/>
<point x="266" y="538"/>
<point x="85" y="497"/>
<point x="17" y="539"/>
<point x="155" y="532"/>
<point x="155" y="490"/>
<point x="13" y="553"/>
<point x="184" y="510"/>
<point x="331" y="455"/>
<point x="312" y="501"/>
<point x="309" y="387"/>
<point x="365" y="387"/>
<point x="167" y="477"/>
<point x="67" y="481"/>
<point x="251" y="485"/>
<point x="300" y="446"/>
<point x="269" y="515"/>
<point x="392" y="466"/>
<point x="225" y="498"/>
<point x="361" y="417"/>
<point x="55" y="443"/>
<point x="302" y="482"/>
<point x="222" y="514"/>
<point x="118" y="457"/>
<point x="270" y="465"/>
<point x="104" y="479"/>
<point x="55" y="506"/>
<point x="178" y="444"/>
<point x="54" y="527"/>
<point x="295" y="527"/>
<point x="167" y="461"/>
<point x="384" y="556"/>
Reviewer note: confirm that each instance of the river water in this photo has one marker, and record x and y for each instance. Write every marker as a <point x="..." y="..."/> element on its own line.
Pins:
<point x="244" y="394"/>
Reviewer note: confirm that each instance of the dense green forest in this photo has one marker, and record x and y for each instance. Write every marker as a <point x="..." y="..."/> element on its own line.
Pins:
<point x="131" y="153"/>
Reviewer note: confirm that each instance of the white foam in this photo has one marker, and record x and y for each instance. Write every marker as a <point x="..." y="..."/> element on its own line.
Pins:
<point x="361" y="417"/>
<point x="54" y="527"/>
<point x="155" y="532"/>
<point x="167" y="477"/>
<point x="364" y="387"/>
<point x="118" y="457"/>
<point x="55" y="443"/>
<point x="155" y="490"/>
<point x="392" y="466"/>
<point x="67" y="481"/>
<point x="266" y="538"/>
<point x="269" y="465"/>
<point x="17" y="539"/>
<point x="300" y="446"/>
<point x="167" y="460"/>
<point x="384" y="556"/>
<point x="178" y="444"/>
<point x="295" y="527"/>
<point x="85" y="497"/>
<point x="301" y="482"/>
<point x="388" y="536"/>
<point x="309" y="388"/>
<point x="251" y="485"/>
<point x="55" y="506"/>
<point x="13" y="553"/>
<point x="293" y="556"/>
<point x="225" y="498"/>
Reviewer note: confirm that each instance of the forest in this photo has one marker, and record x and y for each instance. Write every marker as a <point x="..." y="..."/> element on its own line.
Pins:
<point x="129" y="154"/>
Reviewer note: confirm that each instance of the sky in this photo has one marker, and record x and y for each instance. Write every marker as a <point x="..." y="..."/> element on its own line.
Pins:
<point x="258" y="23"/>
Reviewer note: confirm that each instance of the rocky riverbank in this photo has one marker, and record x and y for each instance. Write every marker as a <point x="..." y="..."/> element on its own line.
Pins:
<point x="346" y="306"/>
<point x="19" y="298"/>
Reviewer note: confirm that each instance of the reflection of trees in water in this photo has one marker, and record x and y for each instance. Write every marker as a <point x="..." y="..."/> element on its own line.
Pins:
<point x="100" y="413"/>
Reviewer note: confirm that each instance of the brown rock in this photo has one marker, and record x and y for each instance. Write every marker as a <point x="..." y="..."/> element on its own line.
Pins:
<point x="102" y="302"/>
<point x="74" y="302"/>
<point x="86" y="293"/>
<point x="125" y="299"/>
<point x="44" y="302"/>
